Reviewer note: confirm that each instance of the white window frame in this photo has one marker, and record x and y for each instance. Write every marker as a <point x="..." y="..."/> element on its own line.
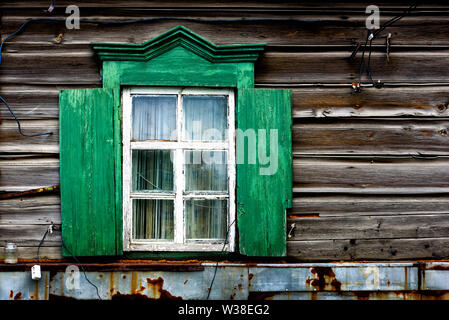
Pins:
<point x="179" y="146"/>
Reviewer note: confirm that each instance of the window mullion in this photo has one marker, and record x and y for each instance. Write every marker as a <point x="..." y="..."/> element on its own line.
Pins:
<point x="179" y="178"/>
<point x="127" y="170"/>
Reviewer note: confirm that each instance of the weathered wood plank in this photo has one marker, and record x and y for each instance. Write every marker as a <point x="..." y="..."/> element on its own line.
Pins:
<point x="325" y="28"/>
<point x="31" y="102"/>
<point x="27" y="252"/>
<point x="41" y="102"/>
<point x="368" y="227"/>
<point x="47" y="68"/>
<point x="428" y="101"/>
<point x="272" y="67"/>
<point x="309" y="137"/>
<point x="316" y="5"/>
<point x="42" y="209"/>
<point x="372" y="205"/>
<point x="13" y="142"/>
<point x="348" y="175"/>
<point x="28" y="235"/>
<point x="28" y="174"/>
<point x="372" y="176"/>
<point x="371" y="137"/>
<point x="334" y="67"/>
<point x="373" y="249"/>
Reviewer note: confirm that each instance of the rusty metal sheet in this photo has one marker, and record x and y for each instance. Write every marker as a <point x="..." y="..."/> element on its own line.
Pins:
<point x="230" y="283"/>
<point x="435" y="276"/>
<point x="347" y="295"/>
<point x="20" y="286"/>
<point x="333" y="278"/>
<point x="240" y="281"/>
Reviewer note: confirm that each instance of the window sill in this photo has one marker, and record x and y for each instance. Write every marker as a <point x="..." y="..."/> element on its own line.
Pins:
<point x="181" y="248"/>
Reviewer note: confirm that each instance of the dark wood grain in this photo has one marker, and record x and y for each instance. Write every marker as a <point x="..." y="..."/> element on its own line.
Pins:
<point x="370" y="227"/>
<point x="371" y="176"/>
<point x="368" y="205"/>
<point x="371" y="249"/>
<point x="369" y="137"/>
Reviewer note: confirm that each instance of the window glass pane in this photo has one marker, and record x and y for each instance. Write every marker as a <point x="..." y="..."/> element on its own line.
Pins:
<point x="206" y="219"/>
<point x="206" y="171"/>
<point x="153" y="219"/>
<point x="205" y="117"/>
<point x="152" y="171"/>
<point x="154" y="117"/>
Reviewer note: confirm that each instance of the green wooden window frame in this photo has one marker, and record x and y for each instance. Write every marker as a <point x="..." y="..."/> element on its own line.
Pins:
<point x="92" y="222"/>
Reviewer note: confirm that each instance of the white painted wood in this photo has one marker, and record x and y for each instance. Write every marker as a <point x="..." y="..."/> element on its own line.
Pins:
<point x="171" y="246"/>
<point x="126" y="174"/>
<point x="179" y="242"/>
<point x="179" y="178"/>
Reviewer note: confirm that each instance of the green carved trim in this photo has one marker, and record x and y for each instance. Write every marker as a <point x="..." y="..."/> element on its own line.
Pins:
<point x="178" y="58"/>
<point x="178" y="36"/>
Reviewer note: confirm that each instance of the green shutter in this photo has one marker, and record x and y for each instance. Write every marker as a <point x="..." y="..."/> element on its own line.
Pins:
<point x="262" y="199"/>
<point x="90" y="171"/>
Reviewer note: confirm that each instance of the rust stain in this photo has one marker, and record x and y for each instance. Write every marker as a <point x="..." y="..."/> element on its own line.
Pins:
<point x="405" y="278"/>
<point x="29" y="192"/>
<point x="361" y="295"/>
<point x="111" y="283"/>
<point x="36" y="290"/>
<point x="133" y="282"/>
<point x="11" y="294"/>
<point x="426" y="133"/>
<point x="438" y="267"/>
<point x="18" y="296"/>
<point x="61" y="278"/>
<point x="141" y="289"/>
<point x="324" y="280"/>
<point x="250" y="276"/>
<point x="185" y="282"/>
<point x="312" y="215"/>
<point x="292" y="34"/>
<point x="58" y="39"/>
<point x="46" y="286"/>
<point x="156" y="286"/>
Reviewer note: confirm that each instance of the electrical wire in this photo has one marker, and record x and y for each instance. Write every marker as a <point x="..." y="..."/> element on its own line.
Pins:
<point x="216" y="265"/>
<point x="74" y="257"/>
<point x="224" y="246"/>
<point x="40" y="244"/>
<point x="370" y="37"/>
<point x="18" y="122"/>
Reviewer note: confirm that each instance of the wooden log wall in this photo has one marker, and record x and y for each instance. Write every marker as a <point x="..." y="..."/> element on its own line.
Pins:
<point x="371" y="169"/>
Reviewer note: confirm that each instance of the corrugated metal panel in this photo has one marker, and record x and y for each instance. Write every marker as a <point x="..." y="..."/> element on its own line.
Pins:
<point x="333" y="281"/>
<point x="326" y="278"/>
<point x="435" y="276"/>
<point x="20" y="286"/>
<point x="229" y="283"/>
